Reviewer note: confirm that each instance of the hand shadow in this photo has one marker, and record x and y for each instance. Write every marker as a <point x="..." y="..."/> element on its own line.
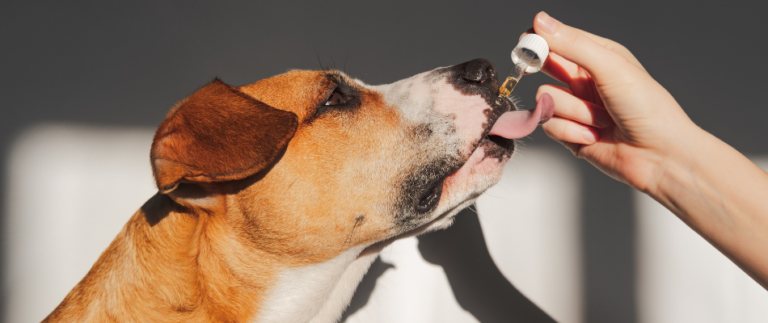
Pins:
<point x="477" y="284"/>
<point x="365" y="289"/>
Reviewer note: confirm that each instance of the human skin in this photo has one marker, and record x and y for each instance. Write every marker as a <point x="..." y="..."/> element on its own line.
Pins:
<point x="617" y="117"/>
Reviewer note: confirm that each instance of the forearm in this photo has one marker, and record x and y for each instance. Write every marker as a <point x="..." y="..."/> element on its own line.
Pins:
<point x="723" y="196"/>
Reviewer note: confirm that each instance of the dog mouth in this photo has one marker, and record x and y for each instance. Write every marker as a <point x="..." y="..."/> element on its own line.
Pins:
<point x="516" y="124"/>
<point x="434" y="191"/>
<point x="429" y="197"/>
<point x="439" y="178"/>
<point x="507" y="144"/>
<point x="505" y="124"/>
<point x="494" y="144"/>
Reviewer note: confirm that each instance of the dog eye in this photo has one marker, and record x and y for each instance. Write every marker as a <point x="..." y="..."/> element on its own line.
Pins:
<point x="336" y="99"/>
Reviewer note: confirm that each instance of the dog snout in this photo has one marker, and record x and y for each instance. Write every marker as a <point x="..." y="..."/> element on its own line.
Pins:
<point x="478" y="71"/>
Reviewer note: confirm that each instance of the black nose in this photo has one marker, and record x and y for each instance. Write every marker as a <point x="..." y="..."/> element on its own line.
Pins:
<point x="477" y="71"/>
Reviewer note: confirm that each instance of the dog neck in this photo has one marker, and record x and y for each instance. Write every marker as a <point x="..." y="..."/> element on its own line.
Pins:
<point x="169" y="264"/>
<point x="317" y="293"/>
<point x="164" y="266"/>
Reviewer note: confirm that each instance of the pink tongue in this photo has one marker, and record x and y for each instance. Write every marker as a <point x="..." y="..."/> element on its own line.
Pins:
<point x="518" y="124"/>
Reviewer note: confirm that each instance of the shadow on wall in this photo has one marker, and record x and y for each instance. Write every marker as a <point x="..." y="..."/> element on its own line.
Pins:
<point x="478" y="285"/>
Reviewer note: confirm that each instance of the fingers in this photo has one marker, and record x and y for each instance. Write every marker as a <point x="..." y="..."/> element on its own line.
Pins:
<point x="582" y="49"/>
<point x="602" y="41"/>
<point x="574" y="148"/>
<point x="561" y="69"/>
<point x="565" y="130"/>
<point x="570" y="107"/>
<point x="529" y="31"/>
<point x="605" y="42"/>
<point x="614" y="47"/>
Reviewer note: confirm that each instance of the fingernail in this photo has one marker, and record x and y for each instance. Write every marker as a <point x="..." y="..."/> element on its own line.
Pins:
<point x="547" y="23"/>
<point x="547" y="107"/>
<point x="589" y="136"/>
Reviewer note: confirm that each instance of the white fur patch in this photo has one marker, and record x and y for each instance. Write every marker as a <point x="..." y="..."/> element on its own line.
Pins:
<point x="428" y="98"/>
<point x="344" y="289"/>
<point x="317" y="293"/>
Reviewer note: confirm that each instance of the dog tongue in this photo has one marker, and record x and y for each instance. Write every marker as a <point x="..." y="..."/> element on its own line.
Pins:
<point x="518" y="124"/>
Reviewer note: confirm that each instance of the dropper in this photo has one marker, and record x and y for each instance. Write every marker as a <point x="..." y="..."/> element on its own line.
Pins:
<point x="528" y="56"/>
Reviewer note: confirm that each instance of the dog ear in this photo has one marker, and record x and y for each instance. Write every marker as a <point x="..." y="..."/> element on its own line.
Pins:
<point x="218" y="134"/>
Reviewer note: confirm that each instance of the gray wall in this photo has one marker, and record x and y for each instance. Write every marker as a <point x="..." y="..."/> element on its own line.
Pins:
<point x="126" y="64"/>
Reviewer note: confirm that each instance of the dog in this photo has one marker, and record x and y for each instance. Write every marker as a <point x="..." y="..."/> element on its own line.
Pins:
<point x="275" y="197"/>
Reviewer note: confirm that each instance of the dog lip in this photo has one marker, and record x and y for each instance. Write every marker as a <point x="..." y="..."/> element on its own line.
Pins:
<point x="430" y="197"/>
<point x="493" y="116"/>
<point x="378" y="246"/>
<point x="507" y="144"/>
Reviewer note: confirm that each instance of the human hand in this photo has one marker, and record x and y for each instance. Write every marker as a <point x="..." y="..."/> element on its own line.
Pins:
<point x="613" y="113"/>
<point x="621" y="120"/>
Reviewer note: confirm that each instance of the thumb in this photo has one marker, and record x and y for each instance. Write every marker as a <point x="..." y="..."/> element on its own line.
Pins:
<point x="577" y="47"/>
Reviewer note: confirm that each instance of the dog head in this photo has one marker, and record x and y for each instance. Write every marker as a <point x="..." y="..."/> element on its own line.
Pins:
<point x="308" y="164"/>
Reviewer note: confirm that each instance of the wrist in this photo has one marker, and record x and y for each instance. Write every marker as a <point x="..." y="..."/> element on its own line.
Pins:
<point x="676" y="163"/>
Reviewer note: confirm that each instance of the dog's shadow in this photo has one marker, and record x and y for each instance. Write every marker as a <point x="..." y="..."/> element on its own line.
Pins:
<point x="477" y="284"/>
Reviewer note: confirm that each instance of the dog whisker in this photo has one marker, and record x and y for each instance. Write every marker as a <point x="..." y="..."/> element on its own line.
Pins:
<point x="358" y="219"/>
<point x="289" y="186"/>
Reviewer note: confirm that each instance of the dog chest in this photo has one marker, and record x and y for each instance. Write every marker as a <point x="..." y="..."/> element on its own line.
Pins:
<point x="316" y="293"/>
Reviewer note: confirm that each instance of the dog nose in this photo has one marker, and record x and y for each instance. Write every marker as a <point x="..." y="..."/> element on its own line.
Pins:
<point x="478" y="71"/>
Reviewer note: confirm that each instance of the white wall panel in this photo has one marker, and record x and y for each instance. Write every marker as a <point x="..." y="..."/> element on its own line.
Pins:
<point x="531" y="224"/>
<point x="71" y="189"/>
<point x="682" y="278"/>
<point x="414" y="291"/>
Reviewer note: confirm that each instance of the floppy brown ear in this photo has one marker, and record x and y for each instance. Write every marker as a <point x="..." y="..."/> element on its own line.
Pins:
<point x="218" y="134"/>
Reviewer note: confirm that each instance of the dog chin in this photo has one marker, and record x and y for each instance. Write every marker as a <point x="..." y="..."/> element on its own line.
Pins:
<point x="460" y="190"/>
<point x="482" y="170"/>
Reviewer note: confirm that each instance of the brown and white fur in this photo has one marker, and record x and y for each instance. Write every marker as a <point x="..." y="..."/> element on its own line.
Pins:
<point x="275" y="197"/>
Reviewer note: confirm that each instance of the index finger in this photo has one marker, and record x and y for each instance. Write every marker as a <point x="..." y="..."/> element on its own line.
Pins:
<point x="605" y="42"/>
<point x="584" y="49"/>
<point x="561" y="69"/>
